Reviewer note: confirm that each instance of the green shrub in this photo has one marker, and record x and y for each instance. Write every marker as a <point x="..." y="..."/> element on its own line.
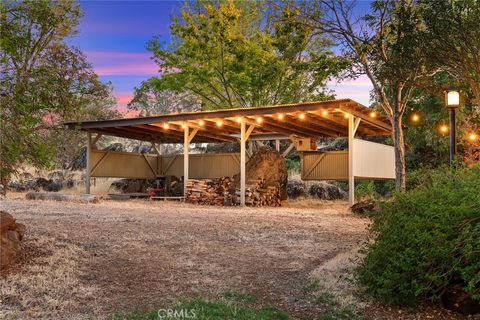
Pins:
<point x="424" y="239"/>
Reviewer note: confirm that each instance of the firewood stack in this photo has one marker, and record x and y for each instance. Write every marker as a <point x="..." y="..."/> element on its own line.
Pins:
<point x="223" y="192"/>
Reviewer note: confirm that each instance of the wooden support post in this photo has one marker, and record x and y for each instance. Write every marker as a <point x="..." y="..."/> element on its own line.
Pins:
<point x="351" y="178"/>
<point x="186" y="149"/>
<point x="88" y="165"/>
<point x="243" y="141"/>
<point x="277" y="145"/>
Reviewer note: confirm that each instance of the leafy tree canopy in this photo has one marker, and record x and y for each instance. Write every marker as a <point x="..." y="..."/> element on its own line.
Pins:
<point x="43" y="81"/>
<point x="243" y="54"/>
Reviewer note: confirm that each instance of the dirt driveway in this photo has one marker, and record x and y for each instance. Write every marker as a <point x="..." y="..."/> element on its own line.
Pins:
<point x="148" y="255"/>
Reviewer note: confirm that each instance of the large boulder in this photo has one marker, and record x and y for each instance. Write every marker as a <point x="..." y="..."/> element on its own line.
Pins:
<point x="11" y="235"/>
<point x="270" y="165"/>
<point x="296" y="189"/>
<point x="326" y="191"/>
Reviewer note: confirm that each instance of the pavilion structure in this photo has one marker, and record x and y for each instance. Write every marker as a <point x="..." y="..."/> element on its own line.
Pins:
<point x="299" y="122"/>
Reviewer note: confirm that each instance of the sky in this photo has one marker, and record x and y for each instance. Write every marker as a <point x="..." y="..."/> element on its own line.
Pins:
<point x="113" y="36"/>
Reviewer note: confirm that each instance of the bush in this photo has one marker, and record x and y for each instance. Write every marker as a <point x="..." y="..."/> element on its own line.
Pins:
<point x="426" y="239"/>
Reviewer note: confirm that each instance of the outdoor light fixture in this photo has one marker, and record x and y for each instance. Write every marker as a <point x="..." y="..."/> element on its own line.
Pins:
<point x="347" y="115"/>
<point x="415" y="117"/>
<point x="239" y="120"/>
<point x="259" y="120"/>
<point x="452" y="102"/>
<point x="473" y="137"/>
<point x="325" y="112"/>
<point x="201" y="122"/>
<point x="280" y="116"/>
<point x="165" y="126"/>
<point x="219" y="123"/>
<point x="183" y="126"/>
<point x="443" y="128"/>
<point x="302" y="116"/>
<point x="373" y="114"/>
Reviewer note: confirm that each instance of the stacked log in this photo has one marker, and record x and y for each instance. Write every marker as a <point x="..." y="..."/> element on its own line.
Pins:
<point x="223" y="192"/>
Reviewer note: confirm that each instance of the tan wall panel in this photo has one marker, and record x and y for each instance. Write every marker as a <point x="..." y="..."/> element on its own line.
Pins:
<point x="122" y="165"/>
<point x="373" y="160"/>
<point x="203" y="166"/>
<point x="332" y="166"/>
<point x="133" y="165"/>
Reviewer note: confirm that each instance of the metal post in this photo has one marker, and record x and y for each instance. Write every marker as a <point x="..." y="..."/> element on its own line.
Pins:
<point x="351" y="179"/>
<point x="186" y="147"/>
<point x="453" y="142"/>
<point x="88" y="168"/>
<point x="243" y="140"/>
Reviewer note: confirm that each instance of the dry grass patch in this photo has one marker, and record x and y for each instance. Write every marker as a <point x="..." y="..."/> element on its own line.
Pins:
<point x="47" y="283"/>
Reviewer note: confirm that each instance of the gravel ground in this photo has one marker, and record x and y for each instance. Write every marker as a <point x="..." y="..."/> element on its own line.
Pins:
<point x="118" y="256"/>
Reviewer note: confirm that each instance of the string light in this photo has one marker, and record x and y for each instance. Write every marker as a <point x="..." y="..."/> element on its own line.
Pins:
<point x="347" y="116"/>
<point x="280" y="116"/>
<point x="443" y="128"/>
<point x="183" y="126"/>
<point x="373" y="114"/>
<point x="415" y="117"/>
<point x="239" y="120"/>
<point x="201" y="122"/>
<point x="302" y="116"/>
<point x="473" y="137"/>
<point x="259" y="120"/>
<point x="165" y="126"/>
<point x="325" y="112"/>
<point x="219" y="123"/>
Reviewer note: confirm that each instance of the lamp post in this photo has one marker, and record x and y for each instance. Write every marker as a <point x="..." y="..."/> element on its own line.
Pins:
<point x="452" y="102"/>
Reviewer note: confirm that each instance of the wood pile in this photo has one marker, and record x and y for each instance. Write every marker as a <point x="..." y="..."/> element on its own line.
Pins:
<point x="223" y="192"/>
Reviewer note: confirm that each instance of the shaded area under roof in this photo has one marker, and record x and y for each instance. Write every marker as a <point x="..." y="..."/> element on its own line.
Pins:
<point x="307" y="119"/>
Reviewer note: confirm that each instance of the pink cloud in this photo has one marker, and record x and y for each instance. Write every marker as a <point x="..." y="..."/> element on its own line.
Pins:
<point x="123" y="98"/>
<point x="110" y="63"/>
<point x="131" y="69"/>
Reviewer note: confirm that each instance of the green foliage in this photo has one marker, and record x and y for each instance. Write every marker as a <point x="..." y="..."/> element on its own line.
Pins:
<point x="365" y="190"/>
<point x="243" y="54"/>
<point x="334" y="309"/>
<point x="239" y="296"/>
<point x="425" y="238"/>
<point x="205" y="310"/>
<point x="44" y="81"/>
<point x="312" y="286"/>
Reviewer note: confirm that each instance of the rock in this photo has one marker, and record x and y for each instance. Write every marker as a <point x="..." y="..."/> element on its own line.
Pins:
<point x="270" y="165"/>
<point x="455" y="298"/>
<point x="132" y="185"/>
<point x="225" y="147"/>
<point x="364" y="207"/>
<point x="16" y="186"/>
<point x="326" y="191"/>
<point x="295" y="189"/>
<point x="143" y="149"/>
<point x="62" y="197"/>
<point x="11" y="235"/>
<point x="115" y="147"/>
<point x="56" y="176"/>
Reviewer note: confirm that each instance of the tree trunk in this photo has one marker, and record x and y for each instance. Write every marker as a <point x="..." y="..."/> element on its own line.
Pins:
<point x="399" y="146"/>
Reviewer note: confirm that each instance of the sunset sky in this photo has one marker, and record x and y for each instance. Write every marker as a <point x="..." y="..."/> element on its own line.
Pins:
<point x="113" y="35"/>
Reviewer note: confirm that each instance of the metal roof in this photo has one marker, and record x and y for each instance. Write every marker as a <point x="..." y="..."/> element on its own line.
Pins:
<point x="306" y="119"/>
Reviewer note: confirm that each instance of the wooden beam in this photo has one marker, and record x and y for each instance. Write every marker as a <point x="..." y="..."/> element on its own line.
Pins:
<point x="288" y="150"/>
<point x="89" y="163"/>
<point x="373" y="121"/>
<point x="311" y="127"/>
<point x="243" y="141"/>
<point x="186" y="149"/>
<point x="351" y="178"/>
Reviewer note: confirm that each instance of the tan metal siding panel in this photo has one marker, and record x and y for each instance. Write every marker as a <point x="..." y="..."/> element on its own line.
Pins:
<point x="332" y="166"/>
<point x="373" y="160"/>
<point x="122" y="165"/>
